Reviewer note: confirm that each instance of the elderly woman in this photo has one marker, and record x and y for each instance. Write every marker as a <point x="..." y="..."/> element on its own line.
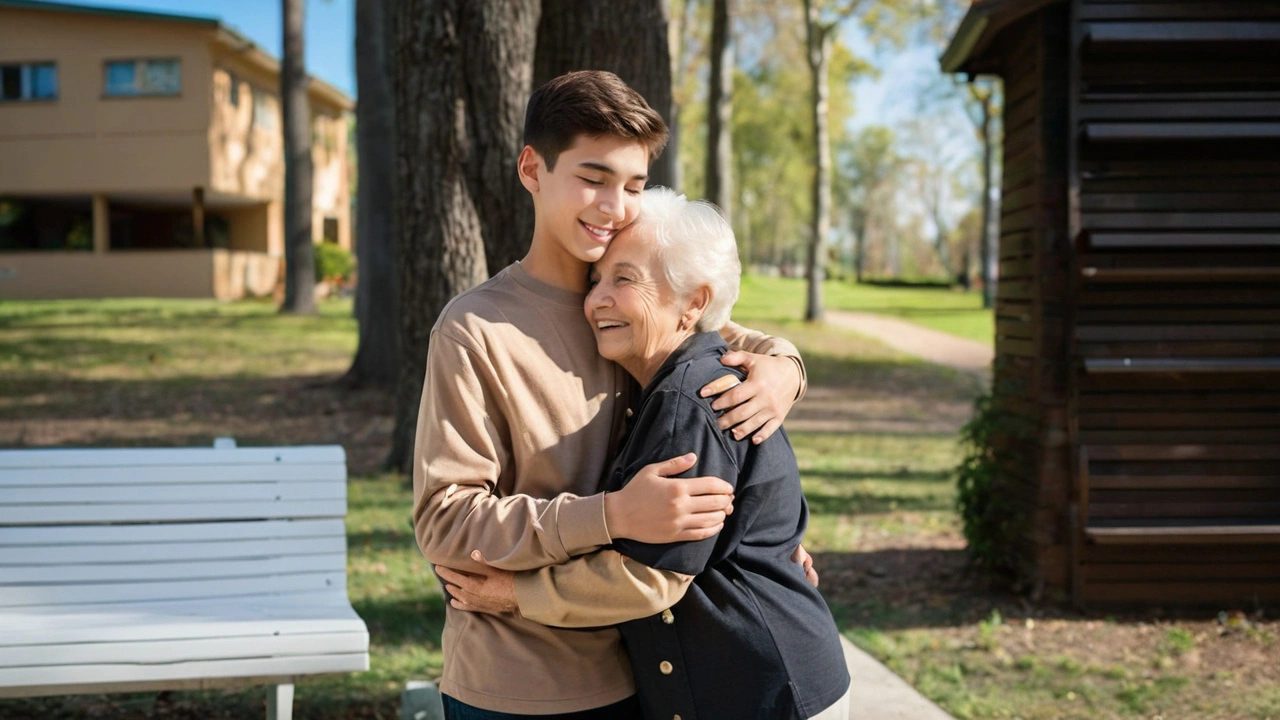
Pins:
<point x="728" y="627"/>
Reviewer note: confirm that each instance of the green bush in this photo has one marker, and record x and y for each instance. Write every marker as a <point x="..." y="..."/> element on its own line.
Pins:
<point x="333" y="263"/>
<point x="993" y="522"/>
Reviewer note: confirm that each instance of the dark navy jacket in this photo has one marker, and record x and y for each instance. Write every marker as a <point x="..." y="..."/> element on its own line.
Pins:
<point x="751" y="638"/>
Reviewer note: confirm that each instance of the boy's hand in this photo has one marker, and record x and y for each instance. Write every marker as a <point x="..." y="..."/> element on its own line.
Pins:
<point x="803" y="558"/>
<point x="657" y="508"/>
<point x="488" y="590"/>
<point x="762" y="401"/>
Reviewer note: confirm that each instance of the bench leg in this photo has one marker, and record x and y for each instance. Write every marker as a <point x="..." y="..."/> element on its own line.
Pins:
<point x="280" y="702"/>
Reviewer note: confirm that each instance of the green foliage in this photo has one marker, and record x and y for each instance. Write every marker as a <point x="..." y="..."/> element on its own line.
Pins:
<point x="991" y="518"/>
<point x="333" y="263"/>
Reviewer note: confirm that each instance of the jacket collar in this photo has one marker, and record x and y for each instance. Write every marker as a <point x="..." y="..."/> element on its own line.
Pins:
<point x="701" y="344"/>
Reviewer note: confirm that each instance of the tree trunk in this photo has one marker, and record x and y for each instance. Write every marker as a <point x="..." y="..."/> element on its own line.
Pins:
<point x="987" y="249"/>
<point x="377" y="304"/>
<point x="720" y="110"/>
<point x="628" y="39"/>
<point x="299" y="254"/>
<point x="461" y="66"/>
<point x="819" y="39"/>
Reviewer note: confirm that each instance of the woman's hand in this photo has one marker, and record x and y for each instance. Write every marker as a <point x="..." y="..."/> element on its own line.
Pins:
<point x="762" y="401"/>
<point x="805" y="560"/>
<point x="488" y="590"/>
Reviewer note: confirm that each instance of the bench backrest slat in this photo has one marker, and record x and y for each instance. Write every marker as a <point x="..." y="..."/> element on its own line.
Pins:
<point x="85" y="527"/>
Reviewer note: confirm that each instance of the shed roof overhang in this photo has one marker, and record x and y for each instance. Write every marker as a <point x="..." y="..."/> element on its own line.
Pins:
<point x="969" y="50"/>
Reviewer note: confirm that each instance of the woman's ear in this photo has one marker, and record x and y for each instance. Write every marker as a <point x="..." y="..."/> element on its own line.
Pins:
<point x="527" y="167"/>
<point x="697" y="305"/>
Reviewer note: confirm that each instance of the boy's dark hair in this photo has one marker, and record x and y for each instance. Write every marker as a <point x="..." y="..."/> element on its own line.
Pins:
<point x="594" y="103"/>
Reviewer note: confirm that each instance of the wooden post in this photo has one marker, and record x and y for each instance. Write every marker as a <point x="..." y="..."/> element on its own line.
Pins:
<point x="197" y="216"/>
<point x="101" y="224"/>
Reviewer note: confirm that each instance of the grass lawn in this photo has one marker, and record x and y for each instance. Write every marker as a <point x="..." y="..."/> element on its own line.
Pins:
<point x="951" y="311"/>
<point x="875" y="442"/>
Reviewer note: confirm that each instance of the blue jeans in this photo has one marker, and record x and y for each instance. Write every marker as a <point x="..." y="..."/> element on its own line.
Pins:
<point x="628" y="709"/>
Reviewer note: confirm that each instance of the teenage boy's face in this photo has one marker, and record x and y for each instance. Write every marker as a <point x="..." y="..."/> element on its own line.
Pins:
<point x="593" y="193"/>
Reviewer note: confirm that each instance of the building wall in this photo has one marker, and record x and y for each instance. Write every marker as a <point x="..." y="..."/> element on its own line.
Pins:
<point x="83" y="142"/>
<point x="134" y="273"/>
<point x="1031" y="340"/>
<point x="247" y="159"/>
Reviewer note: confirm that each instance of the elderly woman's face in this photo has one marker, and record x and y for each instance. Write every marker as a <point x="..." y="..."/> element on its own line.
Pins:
<point x="633" y="311"/>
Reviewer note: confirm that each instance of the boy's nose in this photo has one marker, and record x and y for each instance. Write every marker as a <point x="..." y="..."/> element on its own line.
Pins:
<point x="611" y="204"/>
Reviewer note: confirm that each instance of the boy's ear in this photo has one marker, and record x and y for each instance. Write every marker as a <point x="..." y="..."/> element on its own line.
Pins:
<point x="527" y="166"/>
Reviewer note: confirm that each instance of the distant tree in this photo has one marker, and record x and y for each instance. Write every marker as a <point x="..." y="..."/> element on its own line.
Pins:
<point x="628" y="39"/>
<point x="461" y="72"/>
<point x="299" y="260"/>
<point x="868" y="165"/>
<point x="720" y="108"/>
<point x="984" y="106"/>
<point x="377" y="305"/>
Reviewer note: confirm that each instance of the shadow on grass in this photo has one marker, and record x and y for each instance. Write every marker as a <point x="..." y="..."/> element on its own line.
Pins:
<point x="880" y="499"/>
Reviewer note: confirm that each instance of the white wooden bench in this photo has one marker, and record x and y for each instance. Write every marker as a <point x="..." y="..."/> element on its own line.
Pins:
<point x="147" y="569"/>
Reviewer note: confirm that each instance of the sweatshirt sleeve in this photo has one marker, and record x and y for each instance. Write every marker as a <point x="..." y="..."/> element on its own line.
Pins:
<point x="738" y="337"/>
<point x="461" y="455"/>
<point x="634" y="579"/>
<point x="603" y="588"/>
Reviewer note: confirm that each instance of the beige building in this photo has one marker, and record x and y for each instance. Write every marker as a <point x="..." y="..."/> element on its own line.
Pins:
<point x="141" y="155"/>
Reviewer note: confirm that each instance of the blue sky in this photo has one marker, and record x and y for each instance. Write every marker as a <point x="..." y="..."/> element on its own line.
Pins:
<point x="330" y="42"/>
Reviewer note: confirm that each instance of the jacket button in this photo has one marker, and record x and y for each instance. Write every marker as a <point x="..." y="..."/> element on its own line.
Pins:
<point x="629" y="412"/>
<point x="675" y="717"/>
<point x="667" y="617"/>
<point x="665" y="667"/>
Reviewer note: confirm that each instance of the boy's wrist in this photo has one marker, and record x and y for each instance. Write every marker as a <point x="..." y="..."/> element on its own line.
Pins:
<point x="615" y="517"/>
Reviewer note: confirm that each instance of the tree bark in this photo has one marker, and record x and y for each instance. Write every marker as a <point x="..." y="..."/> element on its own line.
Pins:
<point x="461" y="68"/>
<point x="377" y="304"/>
<point x="720" y="110"/>
<point x="819" y="39"/>
<point x="628" y="39"/>
<point x="299" y="254"/>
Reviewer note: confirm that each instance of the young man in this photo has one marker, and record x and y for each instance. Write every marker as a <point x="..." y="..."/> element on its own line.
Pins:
<point x="520" y="416"/>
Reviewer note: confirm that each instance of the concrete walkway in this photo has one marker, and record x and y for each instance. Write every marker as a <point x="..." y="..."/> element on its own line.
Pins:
<point x="931" y="345"/>
<point x="878" y="694"/>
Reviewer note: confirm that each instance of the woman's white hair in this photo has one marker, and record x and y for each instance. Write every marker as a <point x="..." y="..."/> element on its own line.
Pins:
<point x="696" y="247"/>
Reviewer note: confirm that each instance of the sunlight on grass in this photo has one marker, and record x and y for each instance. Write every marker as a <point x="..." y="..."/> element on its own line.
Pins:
<point x="950" y="311"/>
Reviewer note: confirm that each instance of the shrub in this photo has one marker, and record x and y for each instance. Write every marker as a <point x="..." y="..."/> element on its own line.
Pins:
<point x="333" y="263"/>
<point x="993" y="522"/>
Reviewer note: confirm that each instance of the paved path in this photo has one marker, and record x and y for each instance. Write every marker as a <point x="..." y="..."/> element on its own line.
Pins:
<point x="878" y="694"/>
<point x="931" y="345"/>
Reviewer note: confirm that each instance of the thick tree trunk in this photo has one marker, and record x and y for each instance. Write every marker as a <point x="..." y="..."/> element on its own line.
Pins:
<point x="988" y="247"/>
<point x="299" y="255"/>
<point x="461" y="69"/>
<point x="628" y="39"/>
<point x="720" y="110"/>
<point x="819" y="38"/>
<point x="377" y="305"/>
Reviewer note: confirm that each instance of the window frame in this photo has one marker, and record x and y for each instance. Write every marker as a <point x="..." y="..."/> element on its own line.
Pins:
<point x="26" y="81"/>
<point x="139" y="70"/>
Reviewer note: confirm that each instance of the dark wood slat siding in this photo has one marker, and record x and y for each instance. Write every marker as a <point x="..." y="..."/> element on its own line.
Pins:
<point x="1178" y="169"/>
<point x="1031" y="332"/>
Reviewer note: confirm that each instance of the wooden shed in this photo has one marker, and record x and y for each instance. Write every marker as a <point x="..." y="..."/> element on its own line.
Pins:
<point x="1138" y="310"/>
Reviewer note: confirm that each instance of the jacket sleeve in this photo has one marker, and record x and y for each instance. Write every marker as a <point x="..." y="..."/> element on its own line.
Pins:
<point x="603" y="588"/>
<point x="674" y="419"/>
<point x="738" y="337"/>
<point x="462" y="454"/>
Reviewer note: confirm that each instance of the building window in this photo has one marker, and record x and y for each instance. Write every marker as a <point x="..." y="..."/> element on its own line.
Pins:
<point x="264" y="111"/>
<point x="125" y="78"/>
<point x="235" y="90"/>
<point x="331" y="230"/>
<point x="28" y="81"/>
